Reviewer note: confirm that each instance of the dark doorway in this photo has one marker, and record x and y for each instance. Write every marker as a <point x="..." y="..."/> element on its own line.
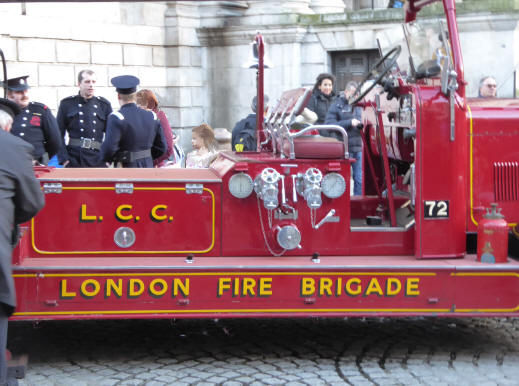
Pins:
<point x="352" y="65"/>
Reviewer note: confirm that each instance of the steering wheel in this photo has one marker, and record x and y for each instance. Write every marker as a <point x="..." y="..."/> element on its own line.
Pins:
<point x="377" y="72"/>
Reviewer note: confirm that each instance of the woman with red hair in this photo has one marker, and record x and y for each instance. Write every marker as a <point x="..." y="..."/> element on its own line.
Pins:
<point x="146" y="99"/>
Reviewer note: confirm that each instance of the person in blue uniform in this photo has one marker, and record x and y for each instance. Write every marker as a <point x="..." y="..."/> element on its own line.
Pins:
<point x="20" y="199"/>
<point x="35" y="122"/>
<point x="134" y="136"/>
<point x="83" y="117"/>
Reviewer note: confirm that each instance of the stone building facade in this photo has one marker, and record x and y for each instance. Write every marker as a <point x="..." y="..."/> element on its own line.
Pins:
<point x="192" y="54"/>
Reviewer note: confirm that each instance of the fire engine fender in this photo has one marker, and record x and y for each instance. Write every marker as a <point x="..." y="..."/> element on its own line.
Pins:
<point x="514" y="227"/>
<point x="515" y="232"/>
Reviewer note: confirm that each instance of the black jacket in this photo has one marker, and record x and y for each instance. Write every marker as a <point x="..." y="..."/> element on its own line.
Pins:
<point x="319" y="104"/>
<point x="133" y="129"/>
<point x="82" y="118"/>
<point x="244" y="134"/>
<point x="341" y="114"/>
<point x="20" y="199"/>
<point x="36" y="125"/>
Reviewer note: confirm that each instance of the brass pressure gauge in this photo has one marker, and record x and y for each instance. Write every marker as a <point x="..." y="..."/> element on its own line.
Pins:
<point x="333" y="185"/>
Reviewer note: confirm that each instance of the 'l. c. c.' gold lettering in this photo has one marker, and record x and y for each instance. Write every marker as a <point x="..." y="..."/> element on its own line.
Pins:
<point x="158" y="217"/>
<point x="84" y="217"/>
<point x="119" y="213"/>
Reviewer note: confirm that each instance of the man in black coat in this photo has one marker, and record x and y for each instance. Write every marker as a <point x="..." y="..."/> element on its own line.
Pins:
<point x="244" y="133"/>
<point x="84" y="117"/>
<point x="134" y="136"/>
<point x="341" y="113"/>
<point x="35" y="122"/>
<point x="20" y="199"/>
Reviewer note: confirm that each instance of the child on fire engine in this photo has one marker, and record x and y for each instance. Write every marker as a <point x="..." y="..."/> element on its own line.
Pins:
<point x="205" y="147"/>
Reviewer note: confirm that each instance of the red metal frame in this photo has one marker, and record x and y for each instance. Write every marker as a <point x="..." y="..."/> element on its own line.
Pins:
<point x="200" y="252"/>
<point x="260" y="108"/>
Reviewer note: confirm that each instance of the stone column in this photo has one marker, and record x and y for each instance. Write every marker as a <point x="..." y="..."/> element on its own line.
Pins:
<point x="184" y="97"/>
<point x="273" y="7"/>
<point x="372" y="4"/>
<point x="327" y="6"/>
<point x="274" y="11"/>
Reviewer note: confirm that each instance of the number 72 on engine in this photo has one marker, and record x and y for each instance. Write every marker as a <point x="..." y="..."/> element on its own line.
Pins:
<point x="436" y="209"/>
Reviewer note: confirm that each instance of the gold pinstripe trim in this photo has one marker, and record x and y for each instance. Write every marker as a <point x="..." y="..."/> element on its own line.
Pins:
<point x="228" y="274"/>
<point x="211" y="246"/>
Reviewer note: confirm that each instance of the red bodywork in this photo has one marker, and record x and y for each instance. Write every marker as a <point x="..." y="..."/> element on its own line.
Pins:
<point x="178" y="243"/>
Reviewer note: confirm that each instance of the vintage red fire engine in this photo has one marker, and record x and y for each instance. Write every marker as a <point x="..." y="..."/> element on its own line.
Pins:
<point x="275" y="233"/>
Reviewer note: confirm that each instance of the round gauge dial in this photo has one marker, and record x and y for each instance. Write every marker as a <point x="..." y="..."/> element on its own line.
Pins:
<point x="333" y="185"/>
<point x="241" y="185"/>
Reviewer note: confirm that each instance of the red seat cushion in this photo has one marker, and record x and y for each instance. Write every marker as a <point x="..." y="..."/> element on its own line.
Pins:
<point x="315" y="147"/>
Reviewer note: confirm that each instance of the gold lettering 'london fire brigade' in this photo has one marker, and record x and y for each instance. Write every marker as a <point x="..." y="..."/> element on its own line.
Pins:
<point x="132" y="288"/>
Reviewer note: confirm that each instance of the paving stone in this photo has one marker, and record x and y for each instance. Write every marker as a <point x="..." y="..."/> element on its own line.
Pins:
<point x="145" y="376"/>
<point x="121" y="375"/>
<point x="43" y="382"/>
<point x="290" y="378"/>
<point x="131" y="382"/>
<point x="272" y="381"/>
<point x="217" y="379"/>
<point x="245" y="380"/>
<point x="230" y="374"/>
<point x="165" y="379"/>
<point x="108" y="382"/>
<point x="314" y="381"/>
<point x="331" y="378"/>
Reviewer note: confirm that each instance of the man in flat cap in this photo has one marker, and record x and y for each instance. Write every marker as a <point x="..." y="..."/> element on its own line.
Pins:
<point x="134" y="136"/>
<point x="20" y="199"/>
<point x="35" y="122"/>
<point x="84" y="117"/>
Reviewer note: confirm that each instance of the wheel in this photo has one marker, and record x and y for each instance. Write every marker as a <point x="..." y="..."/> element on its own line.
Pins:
<point x="377" y="72"/>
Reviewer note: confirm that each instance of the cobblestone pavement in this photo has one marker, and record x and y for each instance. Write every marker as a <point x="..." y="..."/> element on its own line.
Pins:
<point x="405" y="351"/>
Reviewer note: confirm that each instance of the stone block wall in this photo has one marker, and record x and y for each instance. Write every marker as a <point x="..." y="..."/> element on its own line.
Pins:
<point x="193" y="56"/>
<point x="53" y="42"/>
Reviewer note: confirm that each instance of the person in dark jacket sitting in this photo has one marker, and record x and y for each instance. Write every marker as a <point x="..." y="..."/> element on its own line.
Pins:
<point x="342" y="114"/>
<point x="244" y="133"/>
<point x="322" y="96"/>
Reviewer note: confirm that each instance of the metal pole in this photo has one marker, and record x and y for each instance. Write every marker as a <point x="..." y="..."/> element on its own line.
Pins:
<point x="260" y="110"/>
<point x="515" y="84"/>
<point x="5" y="73"/>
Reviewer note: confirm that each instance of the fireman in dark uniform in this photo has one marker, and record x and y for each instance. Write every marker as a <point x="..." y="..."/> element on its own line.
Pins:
<point x="35" y="122"/>
<point x="134" y="136"/>
<point x="84" y="117"/>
